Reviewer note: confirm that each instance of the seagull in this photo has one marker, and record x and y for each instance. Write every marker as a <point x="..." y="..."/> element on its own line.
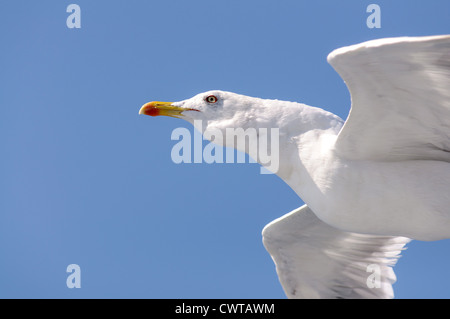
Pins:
<point x="370" y="184"/>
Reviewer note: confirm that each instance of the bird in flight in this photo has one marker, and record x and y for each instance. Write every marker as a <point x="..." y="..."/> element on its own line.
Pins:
<point x="370" y="184"/>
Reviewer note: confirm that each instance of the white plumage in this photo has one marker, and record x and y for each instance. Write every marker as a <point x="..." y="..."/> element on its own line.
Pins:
<point x="370" y="183"/>
<point x="315" y="260"/>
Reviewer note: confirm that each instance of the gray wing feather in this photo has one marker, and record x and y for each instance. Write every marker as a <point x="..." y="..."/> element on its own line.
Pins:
<point x="314" y="260"/>
<point x="400" y="91"/>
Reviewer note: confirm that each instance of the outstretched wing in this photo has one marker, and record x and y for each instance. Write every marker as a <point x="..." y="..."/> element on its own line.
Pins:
<point x="400" y="91"/>
<point x="314" y="260"/>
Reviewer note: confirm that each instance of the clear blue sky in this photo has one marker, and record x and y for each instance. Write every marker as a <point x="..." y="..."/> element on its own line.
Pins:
<point x="85" y="180"/>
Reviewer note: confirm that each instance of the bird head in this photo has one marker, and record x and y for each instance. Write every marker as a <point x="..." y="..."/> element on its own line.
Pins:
<point x="211" y="111"/>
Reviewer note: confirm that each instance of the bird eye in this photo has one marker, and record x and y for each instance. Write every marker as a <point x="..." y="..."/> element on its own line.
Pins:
<point x="211" y="99"/>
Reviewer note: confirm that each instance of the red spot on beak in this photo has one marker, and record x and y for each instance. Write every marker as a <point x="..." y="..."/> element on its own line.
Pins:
<point x="152" y="111"/>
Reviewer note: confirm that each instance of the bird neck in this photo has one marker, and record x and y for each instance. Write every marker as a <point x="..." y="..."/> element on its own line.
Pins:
<point x="305" y="134"/>
<point x="305" y="147"/>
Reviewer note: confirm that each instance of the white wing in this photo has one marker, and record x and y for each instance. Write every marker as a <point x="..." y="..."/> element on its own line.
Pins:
<point x="314" y="260"/>
<point x="400" y="90"/>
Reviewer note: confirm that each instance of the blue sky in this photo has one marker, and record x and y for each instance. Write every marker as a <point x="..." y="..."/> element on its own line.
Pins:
<point x="85" y="180"/>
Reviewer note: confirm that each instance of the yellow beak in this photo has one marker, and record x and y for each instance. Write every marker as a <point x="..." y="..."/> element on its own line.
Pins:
<point x="156" y="108"/>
